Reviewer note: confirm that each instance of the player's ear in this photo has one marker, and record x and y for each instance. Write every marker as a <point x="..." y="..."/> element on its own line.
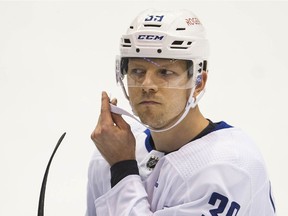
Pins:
<point x="200" y="83"/>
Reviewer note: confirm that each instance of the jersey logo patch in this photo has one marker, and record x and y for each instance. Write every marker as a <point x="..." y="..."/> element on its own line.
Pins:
<point x="151" y="163"/>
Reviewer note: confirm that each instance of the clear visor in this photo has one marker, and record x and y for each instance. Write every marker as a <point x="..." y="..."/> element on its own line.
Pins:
<point x="155" y="73"/>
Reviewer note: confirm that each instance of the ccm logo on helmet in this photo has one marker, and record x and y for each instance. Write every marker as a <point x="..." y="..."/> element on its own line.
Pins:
<point x="150" y="37"/>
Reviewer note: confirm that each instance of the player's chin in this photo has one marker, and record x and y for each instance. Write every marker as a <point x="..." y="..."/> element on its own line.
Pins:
<point x="155" y="124"/>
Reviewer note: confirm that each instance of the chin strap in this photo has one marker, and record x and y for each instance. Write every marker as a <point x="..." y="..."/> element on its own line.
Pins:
<point x="191" y="103"/>
<point x="194" y="102"/>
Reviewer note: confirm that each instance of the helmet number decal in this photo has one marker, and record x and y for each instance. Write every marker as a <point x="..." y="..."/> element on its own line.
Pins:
<point x="155" y="18"/>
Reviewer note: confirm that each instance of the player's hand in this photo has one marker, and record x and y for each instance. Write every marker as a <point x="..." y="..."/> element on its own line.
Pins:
<point x="112" y="135"/>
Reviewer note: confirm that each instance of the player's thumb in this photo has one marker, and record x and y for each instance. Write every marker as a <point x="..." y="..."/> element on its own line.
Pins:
<point x="114" y="101"/>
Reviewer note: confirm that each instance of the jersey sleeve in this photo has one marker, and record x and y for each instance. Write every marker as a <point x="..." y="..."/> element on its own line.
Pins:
<point x="99" y="175"/>
<point x="98" y="181"/>
<point x="128" y="197"/>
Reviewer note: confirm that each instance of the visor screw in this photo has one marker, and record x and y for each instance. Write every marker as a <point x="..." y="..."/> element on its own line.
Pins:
<point x="137" y="50"/>
<point x="159" y="51"/>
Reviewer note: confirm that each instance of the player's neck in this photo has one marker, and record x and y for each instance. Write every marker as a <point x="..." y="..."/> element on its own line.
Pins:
<point x="182" y="133"/>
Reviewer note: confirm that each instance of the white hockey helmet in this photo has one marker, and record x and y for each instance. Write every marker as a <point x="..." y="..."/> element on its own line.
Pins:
<point x="166" y="35"/>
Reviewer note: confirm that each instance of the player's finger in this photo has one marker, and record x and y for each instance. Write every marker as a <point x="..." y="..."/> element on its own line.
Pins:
<point x="105" y="116"/>
<point x="119" y="121"/>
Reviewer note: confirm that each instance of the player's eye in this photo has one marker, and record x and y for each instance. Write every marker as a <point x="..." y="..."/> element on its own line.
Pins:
<point x="136" y="73"/>
<point x="166" y="72"/>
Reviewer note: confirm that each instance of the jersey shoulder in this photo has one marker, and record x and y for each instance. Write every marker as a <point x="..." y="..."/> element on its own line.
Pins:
<point x="229" y="148"/>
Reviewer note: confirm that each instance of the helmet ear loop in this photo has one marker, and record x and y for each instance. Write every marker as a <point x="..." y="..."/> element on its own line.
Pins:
<point x="193" y="101"/>
<point x="201" y="93"/>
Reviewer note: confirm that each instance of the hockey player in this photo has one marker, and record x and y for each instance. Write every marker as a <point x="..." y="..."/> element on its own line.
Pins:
<point x="180" y="163"/>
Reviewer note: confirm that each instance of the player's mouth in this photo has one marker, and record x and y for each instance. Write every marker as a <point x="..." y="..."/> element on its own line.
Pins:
<point x="149" y="102"/>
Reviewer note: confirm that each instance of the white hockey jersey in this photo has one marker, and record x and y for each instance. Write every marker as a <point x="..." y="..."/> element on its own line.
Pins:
<point x="221" y="173"/>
